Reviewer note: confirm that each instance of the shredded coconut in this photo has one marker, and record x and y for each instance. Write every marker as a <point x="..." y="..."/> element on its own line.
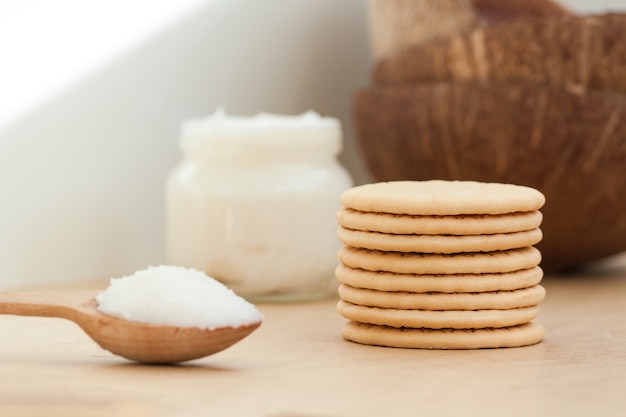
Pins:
<point x="176" y="296"/>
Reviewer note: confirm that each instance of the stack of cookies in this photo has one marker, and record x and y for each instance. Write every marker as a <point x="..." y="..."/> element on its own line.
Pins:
<point x="440" y="264"/>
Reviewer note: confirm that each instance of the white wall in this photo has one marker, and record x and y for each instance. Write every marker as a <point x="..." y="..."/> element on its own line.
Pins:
<point x="594" y="6"/>
<point x="82" y="170"/>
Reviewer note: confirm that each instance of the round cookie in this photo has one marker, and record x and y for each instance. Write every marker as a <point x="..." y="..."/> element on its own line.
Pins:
<point x="495" y="300"/>
<point x="475" y="224"/>
<point x="422" y="263"/>
<point x="451" y="283"/>
<point x="438" y="243"/>
<point x="437" y="197"/>
<point x="439" y="319"/>
<point x="516" y="336"/>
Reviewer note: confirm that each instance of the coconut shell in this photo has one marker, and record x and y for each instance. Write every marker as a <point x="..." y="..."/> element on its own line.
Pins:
<point x="570" y="146"/>
<point x="576" y="53"/>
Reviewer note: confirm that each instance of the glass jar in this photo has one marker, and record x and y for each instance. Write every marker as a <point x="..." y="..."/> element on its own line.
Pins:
<point x="253" y="203"/>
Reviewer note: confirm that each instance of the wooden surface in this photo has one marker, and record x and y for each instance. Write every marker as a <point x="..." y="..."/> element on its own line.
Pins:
<point x="298" y="365"/>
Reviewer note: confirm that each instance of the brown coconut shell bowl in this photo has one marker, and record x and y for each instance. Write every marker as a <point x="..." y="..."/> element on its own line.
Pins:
<point x="428" y="115"/>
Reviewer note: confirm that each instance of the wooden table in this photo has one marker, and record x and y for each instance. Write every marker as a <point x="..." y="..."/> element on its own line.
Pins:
<point x="298" y="365"/>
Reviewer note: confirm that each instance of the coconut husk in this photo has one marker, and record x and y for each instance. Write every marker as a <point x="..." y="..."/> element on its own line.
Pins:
<point x="395" y="25"/>
<point x="576" y="53"/>
<point x="497" y="11"/>
<point x="571" y="146"/>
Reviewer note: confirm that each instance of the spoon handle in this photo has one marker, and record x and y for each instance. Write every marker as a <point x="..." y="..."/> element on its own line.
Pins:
<point x="41" y="304"/>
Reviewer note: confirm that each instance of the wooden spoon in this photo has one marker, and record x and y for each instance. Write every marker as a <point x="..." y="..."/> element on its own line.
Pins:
<point x="136" y="341"/>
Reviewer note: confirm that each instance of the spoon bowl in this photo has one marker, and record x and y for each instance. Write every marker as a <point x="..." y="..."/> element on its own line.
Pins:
<point x="136" y="341"/>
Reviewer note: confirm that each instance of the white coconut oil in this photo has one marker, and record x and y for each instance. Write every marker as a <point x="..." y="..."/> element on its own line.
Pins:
<point x="253" y="203"/>
<point x="176" y="296"/>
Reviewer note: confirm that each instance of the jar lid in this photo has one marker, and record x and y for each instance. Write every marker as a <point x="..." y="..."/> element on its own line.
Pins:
<point x="263" y="131"/>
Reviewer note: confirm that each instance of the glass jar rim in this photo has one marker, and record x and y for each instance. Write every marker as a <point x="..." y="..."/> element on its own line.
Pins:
<point x="265" y="131"/>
